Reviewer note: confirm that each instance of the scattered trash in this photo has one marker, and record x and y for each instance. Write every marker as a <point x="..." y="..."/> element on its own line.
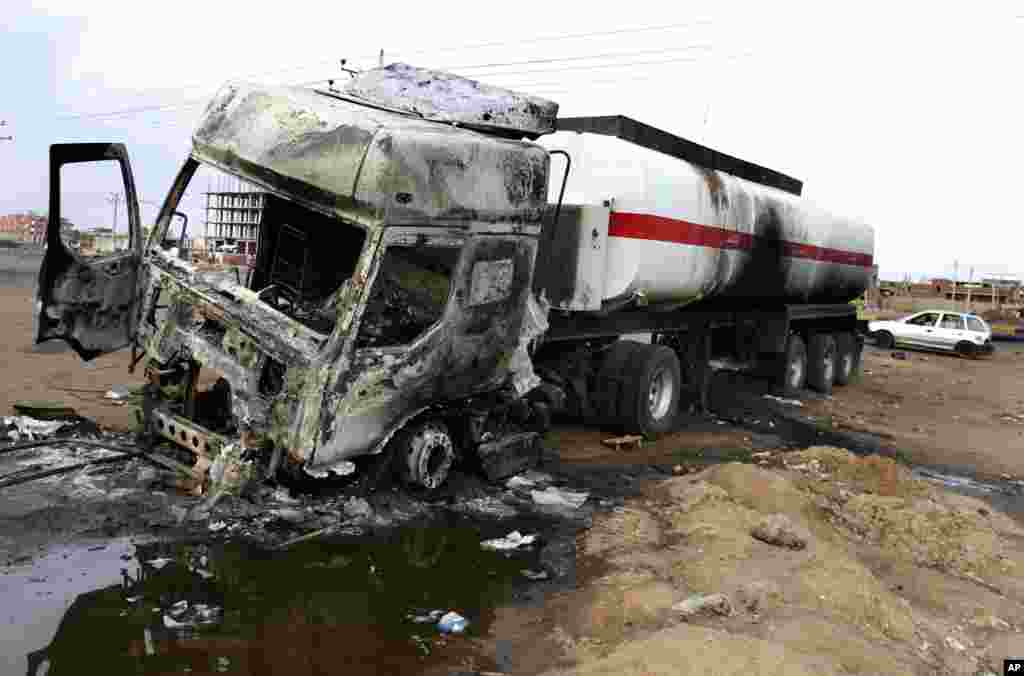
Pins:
<point x="617" y="443"/>
<point x="158" y="563"/>
<point x="899" y="355"/>
<point x="486" y="505"/>
<point x="780" y="531"/>
<point x="555" y="497"/>
<point x="183" y="614"/>
<point x="954" y="644"/>
<point x="217" y="526"/>
<point x="529" y="479"/>
<point x="718" y="604"/>
<point x="761" y="454"/>
<point x="426" y="618"/>
<point x="513" y="540"/>
<point x="118" y="393"/>
<point x="452" y="623"/>
<point x="24" y="427"/>
<point x="535" y="574"/>
<point x="282" y="495"/>
<point x="147" y="638"/>
<point x="781" y="400"/>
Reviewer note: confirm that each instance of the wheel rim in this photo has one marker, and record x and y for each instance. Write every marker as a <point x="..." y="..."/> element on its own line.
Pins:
<point x="659" y="394"/>
<point x="431" y="458"/>
<point x="796" y="373"/>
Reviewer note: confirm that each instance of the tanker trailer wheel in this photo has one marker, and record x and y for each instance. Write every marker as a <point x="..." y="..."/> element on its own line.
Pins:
<point x="424" y="453"/>
<point x="821" y="362"/>
<point x="611" y="381"/>
<point x="847" y="358"/>
<point x="651" y="391"/>
<point x="794" y="372"/>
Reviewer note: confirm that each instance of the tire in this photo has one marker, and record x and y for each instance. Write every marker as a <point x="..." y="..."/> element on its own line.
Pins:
<point x="847" y="358"/>
<point x="884" y="340"/>
<point x="425" y="453"/>
<point x="821" y="362"/>
<point x="966" y="350"/>
<point x="650" y="393"/>
<point x="611" y="380"/>
<point x="794" y="367"/>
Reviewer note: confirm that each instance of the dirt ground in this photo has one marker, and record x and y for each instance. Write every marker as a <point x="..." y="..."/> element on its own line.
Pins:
<point x="53" y="372"/>
<point x="826" y="562"/>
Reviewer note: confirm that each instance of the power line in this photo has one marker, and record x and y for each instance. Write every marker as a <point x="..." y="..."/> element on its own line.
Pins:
<point x="582" y="57"/>
<point x="480" y="45"/>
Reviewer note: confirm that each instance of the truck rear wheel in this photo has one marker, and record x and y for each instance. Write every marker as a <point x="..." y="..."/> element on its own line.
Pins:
<point x="847" y="358"/>
<point x="650" y="397"/>
<point x="794" y="372"/>
<point x="821" y="362"/>
<point x="640" y="387"/>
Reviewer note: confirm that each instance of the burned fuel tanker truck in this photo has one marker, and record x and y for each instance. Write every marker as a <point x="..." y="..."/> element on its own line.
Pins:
<point x="442" y="266"/>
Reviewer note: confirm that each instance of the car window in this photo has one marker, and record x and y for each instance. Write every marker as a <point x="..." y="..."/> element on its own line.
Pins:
<point x="975" y="324"/>
<point x="927" y="319"/>
<point x="955" y="322"/>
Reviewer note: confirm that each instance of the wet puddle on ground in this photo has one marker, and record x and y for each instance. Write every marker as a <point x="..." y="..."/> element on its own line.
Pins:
<point x="352" y="605"/>
<point x="1006" y="495"/>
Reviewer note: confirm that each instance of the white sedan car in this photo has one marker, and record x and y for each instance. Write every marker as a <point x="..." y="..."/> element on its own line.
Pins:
<point x="935" y="330"/>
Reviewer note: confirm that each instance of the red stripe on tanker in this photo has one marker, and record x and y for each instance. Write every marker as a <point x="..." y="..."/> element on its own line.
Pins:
<point x="663" y="229"/>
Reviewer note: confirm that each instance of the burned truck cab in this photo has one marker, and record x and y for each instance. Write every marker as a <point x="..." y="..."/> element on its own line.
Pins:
<point x="388" y="309"/>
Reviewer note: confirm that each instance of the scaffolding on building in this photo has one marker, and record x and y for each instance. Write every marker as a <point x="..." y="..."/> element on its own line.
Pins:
<point x="233" y="221"/>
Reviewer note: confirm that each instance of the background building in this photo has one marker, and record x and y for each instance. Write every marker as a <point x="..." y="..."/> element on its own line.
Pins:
<point x="233" y="219"/>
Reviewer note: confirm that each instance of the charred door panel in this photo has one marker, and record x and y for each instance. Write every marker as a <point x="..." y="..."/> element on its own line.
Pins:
<point x="402" y="363"/>
<point x="91" y="304"/>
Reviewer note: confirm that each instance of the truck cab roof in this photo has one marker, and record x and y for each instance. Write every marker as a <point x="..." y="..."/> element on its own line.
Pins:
<point x="367" y="163"/>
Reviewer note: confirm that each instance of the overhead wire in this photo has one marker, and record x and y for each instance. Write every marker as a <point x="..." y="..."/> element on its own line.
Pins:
<point x="549" y="38"/>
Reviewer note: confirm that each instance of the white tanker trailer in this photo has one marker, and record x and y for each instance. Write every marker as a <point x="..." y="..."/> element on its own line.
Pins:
<point x="417" y="299"/>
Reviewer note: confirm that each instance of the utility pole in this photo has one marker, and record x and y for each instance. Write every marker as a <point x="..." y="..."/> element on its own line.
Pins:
<point x="115" y="199"/>
<point x="380" y="62"/>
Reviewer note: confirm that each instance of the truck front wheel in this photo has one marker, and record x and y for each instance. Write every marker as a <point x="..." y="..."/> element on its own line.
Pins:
<point x="425" y="452"/>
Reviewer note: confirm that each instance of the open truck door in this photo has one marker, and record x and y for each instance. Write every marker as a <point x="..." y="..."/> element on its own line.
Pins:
<point x="90" y="302"/>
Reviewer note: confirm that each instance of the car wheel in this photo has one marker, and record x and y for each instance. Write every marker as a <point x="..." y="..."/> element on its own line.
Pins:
<point x="884" y="340"/>
<point x="966" y="350"/>
<point x="821" y="362"/>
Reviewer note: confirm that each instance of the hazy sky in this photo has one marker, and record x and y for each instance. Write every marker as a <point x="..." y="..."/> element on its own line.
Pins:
<point x="906" y="115"/>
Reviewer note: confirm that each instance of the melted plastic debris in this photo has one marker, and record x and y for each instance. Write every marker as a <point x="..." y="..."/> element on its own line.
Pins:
<point x="23" y="427"/>
<point x="513" y="540"/>
<point x="556" y="497"/>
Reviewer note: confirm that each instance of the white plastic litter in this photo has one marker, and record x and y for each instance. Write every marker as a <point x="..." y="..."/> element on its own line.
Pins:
<point x="452" y="623"/>
<point x="158" y="563"/>
<point x="30" y="428"/>
<point x="556" y="497"/>
<point x="427" y="618"/>
<point x="513" y="540"/>
<point x="528" y="479"/>
<point x="217" y="526"/>
<point x="118" y="392"/>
